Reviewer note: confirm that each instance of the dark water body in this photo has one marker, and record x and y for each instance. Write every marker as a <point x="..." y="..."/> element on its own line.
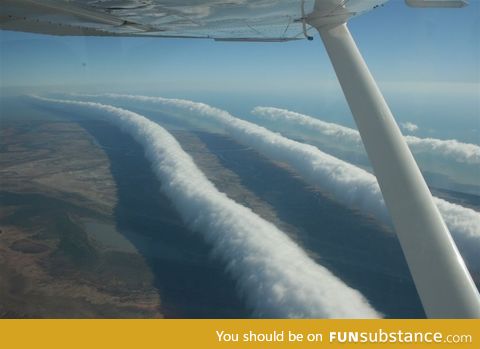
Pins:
<point x="190" y="283"/>
<point x="353" y="247"/>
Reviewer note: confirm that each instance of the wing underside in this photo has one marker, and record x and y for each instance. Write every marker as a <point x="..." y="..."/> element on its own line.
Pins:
<point x="239" y="20"/>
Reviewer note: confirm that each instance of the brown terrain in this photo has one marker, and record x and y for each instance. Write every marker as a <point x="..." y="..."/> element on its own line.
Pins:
<point x="60" y="254"/>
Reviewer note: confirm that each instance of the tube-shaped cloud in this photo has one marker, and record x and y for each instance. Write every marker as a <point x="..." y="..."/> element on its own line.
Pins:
<point x="347" y="183"/>
<point x="452" y="150"/>
<point x="274" y="274"/>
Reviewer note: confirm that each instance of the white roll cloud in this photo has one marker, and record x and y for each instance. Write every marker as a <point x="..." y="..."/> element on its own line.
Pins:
<point x="274" y="275"/>
<point x="452" y="150"/>
<point x="348" y="184"/>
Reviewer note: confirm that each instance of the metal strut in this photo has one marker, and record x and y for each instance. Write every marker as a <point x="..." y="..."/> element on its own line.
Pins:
<point x="443" y="282"/>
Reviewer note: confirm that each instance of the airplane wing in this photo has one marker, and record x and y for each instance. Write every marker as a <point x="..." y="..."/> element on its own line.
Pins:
<point x="237" y="20"/>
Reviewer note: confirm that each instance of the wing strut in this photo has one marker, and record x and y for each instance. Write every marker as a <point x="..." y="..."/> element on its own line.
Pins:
<point x="443" y="282"/>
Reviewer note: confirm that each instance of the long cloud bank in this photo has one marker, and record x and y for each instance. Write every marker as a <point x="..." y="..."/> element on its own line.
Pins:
<point x="347" y="183"/>
<point x="274" y="274"/>
<point x="451" y="149"/>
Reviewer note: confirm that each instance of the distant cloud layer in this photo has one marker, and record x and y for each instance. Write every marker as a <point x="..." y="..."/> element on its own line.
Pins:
<point x="347" y="183"/>
<point x="452" y="149"/>
<point x="409" y="126"/>
<point x="274" y="274"/>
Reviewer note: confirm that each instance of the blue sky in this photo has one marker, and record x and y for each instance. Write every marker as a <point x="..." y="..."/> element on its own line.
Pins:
<point x="429" y="52"/>
<point x="399" y="44"/>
